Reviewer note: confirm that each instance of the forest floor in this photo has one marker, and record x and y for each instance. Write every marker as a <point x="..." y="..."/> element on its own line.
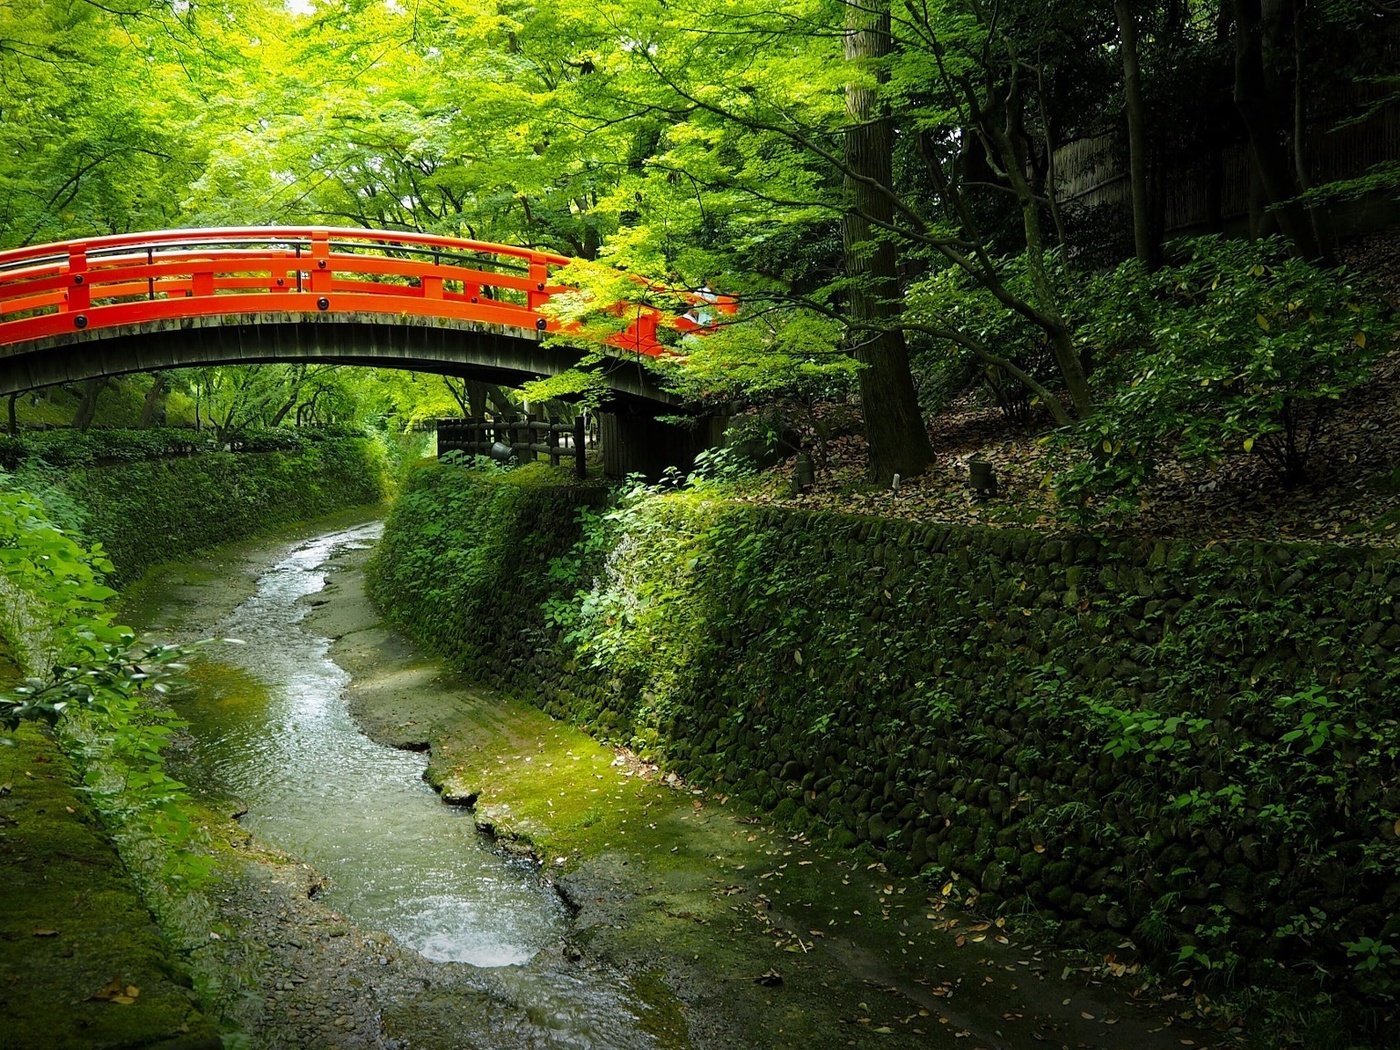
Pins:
<point x="1351" y="496"/>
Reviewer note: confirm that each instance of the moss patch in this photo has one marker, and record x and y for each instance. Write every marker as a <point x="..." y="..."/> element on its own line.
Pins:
<point x="72" y="923"/>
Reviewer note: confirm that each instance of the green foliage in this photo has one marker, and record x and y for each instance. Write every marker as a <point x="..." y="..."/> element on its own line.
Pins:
<point x="89" y="677"/>
<point x="1156" y="735"/>
<point x="1369" y="954"/>
<point x="54" y="602"/>
<point x="1239" y="349"/>
<point x="219" y="496"/>
<point x="952" y="301"/>
<point x="89" y="448"/>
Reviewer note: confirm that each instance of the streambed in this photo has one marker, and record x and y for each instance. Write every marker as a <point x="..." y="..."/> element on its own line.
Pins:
<point x="395" y="857"/>
<point x="391" y="920"/>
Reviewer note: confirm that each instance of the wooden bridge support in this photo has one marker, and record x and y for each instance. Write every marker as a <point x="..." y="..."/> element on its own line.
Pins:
<point x="635" y="442"/>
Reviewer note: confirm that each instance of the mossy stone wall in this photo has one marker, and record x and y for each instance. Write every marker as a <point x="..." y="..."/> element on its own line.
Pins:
<point x="153" y="511"/>
<point x="1194" y="749"/>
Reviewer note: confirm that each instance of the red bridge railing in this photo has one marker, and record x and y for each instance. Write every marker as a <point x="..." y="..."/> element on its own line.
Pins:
<point x="106" y="282"/>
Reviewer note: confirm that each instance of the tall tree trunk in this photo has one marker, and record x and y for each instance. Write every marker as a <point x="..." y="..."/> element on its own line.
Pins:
<point x="1136" y="111"/>
<point x="475" y="406"/>
<point x="87" y="405"/>
<point x="504" y="405"/>
<point x="1002" y="139"/>
<point x="14" y="416"/>
<point x="894" y="427"/>
<point x="1260" y="110"/>
<point x="153" y="408"/>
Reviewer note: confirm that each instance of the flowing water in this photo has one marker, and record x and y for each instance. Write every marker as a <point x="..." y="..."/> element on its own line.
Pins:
<point x="315" y="786"/>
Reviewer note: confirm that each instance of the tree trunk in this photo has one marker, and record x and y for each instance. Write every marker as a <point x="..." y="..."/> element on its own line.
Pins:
<point x="153" y="408"/>
<point x="87" y="405"/>
<point x="1050" y="319"/>
<point x="292" y="398"/>
<point x="894" y="427"/>
<point x="14" y="416"/>
<point x="1136" y="111"/>
<point x="475" y="404"/>
<point x="1260" y="110"/>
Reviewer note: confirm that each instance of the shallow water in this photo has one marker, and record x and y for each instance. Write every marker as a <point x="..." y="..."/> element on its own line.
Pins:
<point x="279" y="738"/>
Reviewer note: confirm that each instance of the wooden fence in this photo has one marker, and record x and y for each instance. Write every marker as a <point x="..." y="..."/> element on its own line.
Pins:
<point x="528" y="438"/>
<point x="1201" y="188"/>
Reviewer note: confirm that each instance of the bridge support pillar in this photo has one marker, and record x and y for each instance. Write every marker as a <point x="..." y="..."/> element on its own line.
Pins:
<point x="638" y="443"/>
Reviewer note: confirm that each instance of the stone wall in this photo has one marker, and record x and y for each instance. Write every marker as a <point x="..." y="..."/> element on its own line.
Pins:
<point x="1190" y="749"/>
<point x="148" y="512"/>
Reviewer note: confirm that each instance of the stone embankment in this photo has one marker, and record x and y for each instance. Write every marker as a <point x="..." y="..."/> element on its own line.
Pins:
<point x="1181" y="754"/>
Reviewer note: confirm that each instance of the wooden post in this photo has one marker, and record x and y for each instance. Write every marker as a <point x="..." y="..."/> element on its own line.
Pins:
<point x="580" y="467"/>
<point x="551" y="438"/>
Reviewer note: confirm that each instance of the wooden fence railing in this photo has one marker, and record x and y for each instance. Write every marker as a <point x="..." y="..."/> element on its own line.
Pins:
<point x="525" y="436"/>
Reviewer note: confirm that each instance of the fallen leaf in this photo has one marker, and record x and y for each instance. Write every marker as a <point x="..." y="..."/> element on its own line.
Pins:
<point x="45" y="933"/>
<point x="110" y="990"/>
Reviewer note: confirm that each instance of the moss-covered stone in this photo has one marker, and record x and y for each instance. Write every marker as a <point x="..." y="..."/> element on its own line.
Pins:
<point x="72" y="923"/>
<point x="1173" y="707"/>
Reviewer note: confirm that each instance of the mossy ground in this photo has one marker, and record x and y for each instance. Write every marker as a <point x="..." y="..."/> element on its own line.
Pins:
<point x="72" y="924"/>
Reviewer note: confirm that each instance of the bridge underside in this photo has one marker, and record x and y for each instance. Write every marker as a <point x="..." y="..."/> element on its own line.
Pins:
<point x="493" y="353"/>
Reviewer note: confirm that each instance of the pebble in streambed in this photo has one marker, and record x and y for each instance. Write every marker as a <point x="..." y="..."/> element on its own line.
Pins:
<point x="471" y="950"/>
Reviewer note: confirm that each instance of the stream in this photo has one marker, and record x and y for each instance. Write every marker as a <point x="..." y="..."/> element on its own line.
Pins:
<point x="270" y="730"/>
<point x="396" y="858"/>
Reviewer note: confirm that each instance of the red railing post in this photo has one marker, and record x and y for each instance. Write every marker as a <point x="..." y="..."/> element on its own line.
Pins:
<point x="321" y="260"/>
<point x="539" y="278"/>
<point x="79" y="296"/>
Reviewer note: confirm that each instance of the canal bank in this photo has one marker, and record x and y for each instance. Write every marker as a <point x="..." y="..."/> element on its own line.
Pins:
<point x="693" y="924"/>
<point x="738" y="934"/>
<point x="1173" y="754"/>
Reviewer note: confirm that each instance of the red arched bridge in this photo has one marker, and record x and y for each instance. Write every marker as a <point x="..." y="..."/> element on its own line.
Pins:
<point x="139" y="302"/>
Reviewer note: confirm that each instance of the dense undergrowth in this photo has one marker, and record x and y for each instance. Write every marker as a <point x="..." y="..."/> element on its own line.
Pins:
<point x="147" y="500"/>
<point x="1178" y="753"/>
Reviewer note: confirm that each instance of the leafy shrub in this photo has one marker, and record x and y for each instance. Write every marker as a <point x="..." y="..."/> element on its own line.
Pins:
<point x="83" y="448"/>
<point x="950" y="299"/>
<point x="90" y="677"/>
<point x="1238" y="349"/>
<point x="187" y="503"/>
